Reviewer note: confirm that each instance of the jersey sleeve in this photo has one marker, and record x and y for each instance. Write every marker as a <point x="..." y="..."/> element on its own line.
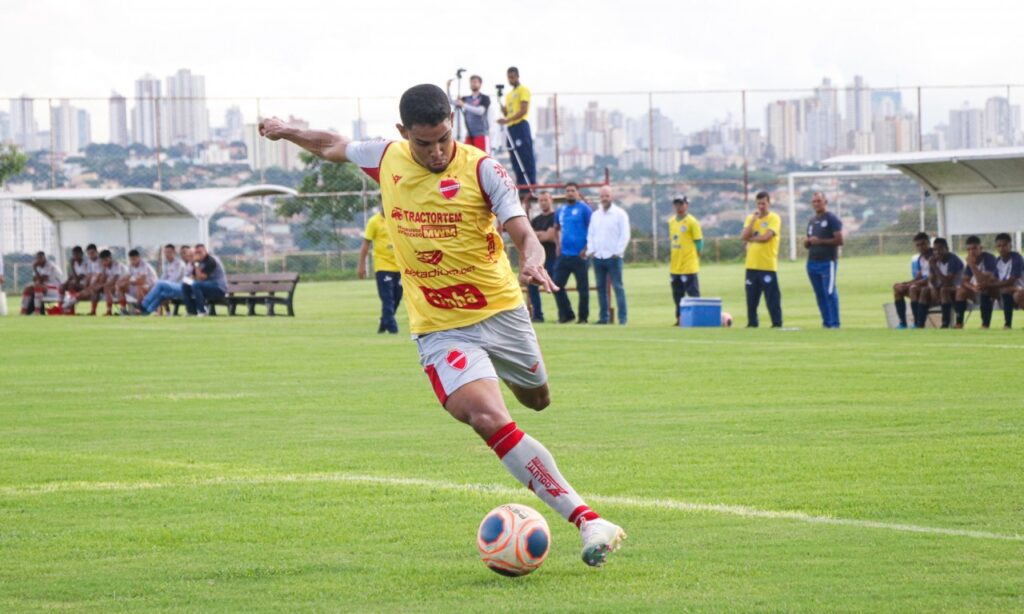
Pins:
<point x="837" y="224"/>
<point x="499" y="190"/>
<point x="368" y="232"/>
<point x="367" y="155"/>
<point x="1017" y="266"/>
<point x="695" y="230"/>
<point x="956" y="266"/>
<point x="775" y="224"/>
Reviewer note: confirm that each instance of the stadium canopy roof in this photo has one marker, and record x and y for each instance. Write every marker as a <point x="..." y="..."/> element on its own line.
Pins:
<point x="136" y="216"/>
<point x="978" y="190"/>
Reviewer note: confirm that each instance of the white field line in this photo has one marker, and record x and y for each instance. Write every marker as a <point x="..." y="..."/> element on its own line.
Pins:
<point x="774" y="343"/>
<point x="494" y="489"/>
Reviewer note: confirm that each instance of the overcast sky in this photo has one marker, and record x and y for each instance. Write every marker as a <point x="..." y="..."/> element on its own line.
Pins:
<point x="312" y="48"/>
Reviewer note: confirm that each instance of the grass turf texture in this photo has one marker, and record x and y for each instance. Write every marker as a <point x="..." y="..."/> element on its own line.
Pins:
<point x="182" y="464"/>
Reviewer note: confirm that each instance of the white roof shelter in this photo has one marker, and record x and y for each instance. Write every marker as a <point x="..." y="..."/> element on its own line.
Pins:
<point x="136" y="216"/>
<point x="979" y="191"/>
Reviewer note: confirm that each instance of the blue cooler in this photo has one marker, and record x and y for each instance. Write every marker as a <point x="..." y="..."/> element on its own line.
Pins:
<point x="694" y="312"/>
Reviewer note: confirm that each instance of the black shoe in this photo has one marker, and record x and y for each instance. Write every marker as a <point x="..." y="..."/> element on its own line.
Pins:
<point x="393" y="331"/>
<point x="565" y="320"/>
<point x="752" y="326"/>
<point x="537" y="320"/>
<point x="381" y="329"/>
<point x="602" y="322"/>
<point x="581" y="321"/>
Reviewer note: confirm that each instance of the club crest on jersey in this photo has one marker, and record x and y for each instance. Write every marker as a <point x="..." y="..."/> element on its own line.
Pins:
<point x="456" y="359"/>
<point x="449" y="188"/>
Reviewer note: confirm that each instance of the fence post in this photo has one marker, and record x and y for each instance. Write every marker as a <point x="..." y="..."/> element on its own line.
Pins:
<point x="284" y="263"/>
<point x="718" y="250"/>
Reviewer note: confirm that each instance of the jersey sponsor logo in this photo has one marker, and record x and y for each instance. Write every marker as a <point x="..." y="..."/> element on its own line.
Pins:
<point x="535" y="366"/>
<point x="443" y="231"/>
<point x="426" y="217"/>
<point x="396" y="178"/>
<point x="449" y="188"/>
<point x="439" y="272"/>
<point x="457" y="359"/>
<point x="432" y="256"/>
<point x="492" y="247"/>
<point x="544" y="478"/>
<point x="461" y="296"/>
<point x="396" y="214"/>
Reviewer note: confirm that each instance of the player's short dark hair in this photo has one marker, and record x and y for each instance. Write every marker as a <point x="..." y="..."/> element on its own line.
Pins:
<point x="133" y="252"/>
<point x="91" y="246"/>
<point x="184" y="245"/>
<point x="921" y="236"/>
<point x="940" y="241"/>
<point x="512" y="69"/>
<point x="76" y="249"/>
<point x="471" y="77"/>
<point x="424" y="105"/>
<point x="170" y="245"/>
<point x="43" y="254"/>
<point x="105" y="254"/>
<point x="573" y="184"/>
<point x="1003" y="236"/>
<point x="973" y="240"/>
<point x="762" y="194"/>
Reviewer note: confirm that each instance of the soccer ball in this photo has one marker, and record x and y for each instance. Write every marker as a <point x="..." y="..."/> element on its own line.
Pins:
<point x="513" y="539"/>
<point x="726" y="320"/>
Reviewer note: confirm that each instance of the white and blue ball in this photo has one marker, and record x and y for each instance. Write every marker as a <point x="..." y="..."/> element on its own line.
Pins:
<point x="513" y="539"/>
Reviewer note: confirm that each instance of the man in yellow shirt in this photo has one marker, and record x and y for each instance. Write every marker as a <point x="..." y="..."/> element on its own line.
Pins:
<point x="687" y="241"/>
<point x="440" y="199"/>
<point x="520" y="141"/>
<point x="385" y="268"/>
<point x="761" y="232"/>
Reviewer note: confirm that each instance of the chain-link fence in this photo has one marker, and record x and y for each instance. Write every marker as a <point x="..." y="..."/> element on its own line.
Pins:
<point x="717" y="147"/>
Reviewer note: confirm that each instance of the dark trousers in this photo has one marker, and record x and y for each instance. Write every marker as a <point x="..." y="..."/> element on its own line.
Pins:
<point x="522" y="141"/>
<point x="577" y="267"/>
<point x="767" y="283"/>
<point x="683" y="285"/>
<point x="196" y="295"/>
<point x="389" y="289"/>
<point x="605" y="269"/>
<point x="534" y="292"/>
<point x="822" y="274"/>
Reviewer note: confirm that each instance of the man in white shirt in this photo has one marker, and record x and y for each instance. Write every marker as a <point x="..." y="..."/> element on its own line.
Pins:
<point x="46" y="281"/>
<point x="168" y="287"/>
<point x="607" y="239"/>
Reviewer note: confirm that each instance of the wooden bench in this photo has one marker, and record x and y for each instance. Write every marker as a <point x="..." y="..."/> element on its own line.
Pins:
<point x="252" y="289"/>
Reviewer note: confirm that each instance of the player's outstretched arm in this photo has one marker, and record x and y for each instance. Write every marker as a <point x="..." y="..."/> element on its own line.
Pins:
<point x="531" y="254"/>
<point x="320" y="143"/>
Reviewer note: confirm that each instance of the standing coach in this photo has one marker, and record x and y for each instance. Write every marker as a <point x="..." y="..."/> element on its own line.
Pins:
<point x="824" y="236"/>
<point x="761" y="235"/>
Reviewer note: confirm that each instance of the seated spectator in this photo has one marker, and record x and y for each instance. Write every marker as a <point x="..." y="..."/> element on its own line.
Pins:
<point x="168" y="287"/>
<point x="113" y="271"/>
<point x="141" y="277"/>
<point x="78" y="275"/>
<point x="209" y="284"/>
<point x="47" y="279"/>
<point x="93" y="286"/>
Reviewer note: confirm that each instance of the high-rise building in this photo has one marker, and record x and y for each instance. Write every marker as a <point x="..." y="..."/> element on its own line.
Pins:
<point x="234" y="124"/>
<point x="823" y="122"/>
<point x="858" y="106"/>
<point x="5" y="127"/>
<point x="886" y="103"/>
<point x="263" y="154"/>
<point x="1001" y="123"/>
<point x="118" y="119"/>
<point x="966" y="128"/>
<point x="784" y="128"/>
<point x="148" y="116"/>
<point x="189" y="119"/>
<point x="359" y="130"/>
<point x="84" y="129"/>
<point x="24" y="130"/>
<point x="66" y="128"/>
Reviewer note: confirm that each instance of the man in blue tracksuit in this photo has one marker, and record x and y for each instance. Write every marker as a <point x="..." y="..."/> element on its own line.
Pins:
<point x="572" y="222"/>
<point x="824" y="236"/>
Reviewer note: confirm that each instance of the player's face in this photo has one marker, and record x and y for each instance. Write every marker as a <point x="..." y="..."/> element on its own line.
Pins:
<point x="762" y="205"/>
<point x="169" y="253"/>
<point x="571" y="194"/>
<point x="513" y="78"/>
<point x="941" y="250"/>
<point x="40" y="259"/>
<point x="974" y="250"/>
<point x="186" y="254"/>
<point x="431" y="146"/>
<point x="200" y="253"/>
<point x="475" y="84"/>
<point x="134" y="260"/>
<point x="922" y="246"/>
<point x="818" y="202"/>
<point x="76" y="256"/>
<point x="93" y="254"/>
<point x="1003" y="247"/>
<point x="106" y="262"/>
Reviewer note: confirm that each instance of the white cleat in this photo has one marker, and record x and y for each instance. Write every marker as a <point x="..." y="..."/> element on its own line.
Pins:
<point x="600" y="538"/>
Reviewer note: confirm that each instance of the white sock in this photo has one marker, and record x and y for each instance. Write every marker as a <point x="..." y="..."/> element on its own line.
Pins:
<point x="531" y="463"/>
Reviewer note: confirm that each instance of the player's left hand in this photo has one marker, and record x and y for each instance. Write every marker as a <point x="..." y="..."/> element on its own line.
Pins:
<point x="537" y="275"/>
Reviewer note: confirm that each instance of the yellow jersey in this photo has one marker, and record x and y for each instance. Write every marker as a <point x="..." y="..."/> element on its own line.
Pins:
<point x="454" y="268"/>
<point x="515" y="99"/>
<point x="684" y="234"/>
<point x="764" y="256"/>
<point x="383" y="251"/>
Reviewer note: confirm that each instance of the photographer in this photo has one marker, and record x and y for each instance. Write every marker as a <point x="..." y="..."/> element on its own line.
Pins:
<point x="474" y="110"/>
<point x="519" y="139"/>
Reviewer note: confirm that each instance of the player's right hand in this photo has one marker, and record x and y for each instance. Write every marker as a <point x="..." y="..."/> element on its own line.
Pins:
<point x="272" y="128"/>
<point x="361" y="272"/>
<point x="537" y="275"/>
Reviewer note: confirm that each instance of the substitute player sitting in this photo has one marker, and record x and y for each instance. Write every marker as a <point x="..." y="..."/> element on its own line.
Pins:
<point x="979" y="277"/>
<point x="945" y="276"/>
<point x="78" y="277"/>
<point x="46" y="282"/>
<point x="113" y="271"/>
<point x="140" y="279"/>
<point x="1009" y="276"/>
<point x="465" y="306"/>
<point x="912" y="289"/>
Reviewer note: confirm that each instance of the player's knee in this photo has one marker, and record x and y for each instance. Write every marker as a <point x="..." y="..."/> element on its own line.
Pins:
<point x="539" y="400"/>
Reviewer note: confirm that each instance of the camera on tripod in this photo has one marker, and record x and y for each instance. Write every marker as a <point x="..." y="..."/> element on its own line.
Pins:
<point x="501" y="89"/>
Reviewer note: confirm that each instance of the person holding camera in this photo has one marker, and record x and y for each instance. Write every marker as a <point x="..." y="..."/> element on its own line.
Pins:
<point x="474" y="110"/>
<point x="520" y="141"/>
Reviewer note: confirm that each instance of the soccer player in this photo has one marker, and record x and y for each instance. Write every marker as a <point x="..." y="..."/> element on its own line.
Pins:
<point x="466" y="310"/>
<point x="572" y="222"/>
<point x="687" y="240"/>
<point x="520" y="140"/>
<point x="761" y="235"/>
<point x="385" y="268"/>
<point x="945" y="276"/>
<point x="474" y="110"/>
<point x="140" y="279"/>
<point x="94" y="282"/>
<point x="47" y="279"/>
<point x="1009" y="276"/>
<point x="979" y="275"/>
<point x="824" y="237"/>
<point x="78" y="277"/>
<point x="912" y="289"/>
<point x="113" y="271"/>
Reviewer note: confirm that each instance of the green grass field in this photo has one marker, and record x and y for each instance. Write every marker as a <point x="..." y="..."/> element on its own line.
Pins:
<point x="303" y="464"/>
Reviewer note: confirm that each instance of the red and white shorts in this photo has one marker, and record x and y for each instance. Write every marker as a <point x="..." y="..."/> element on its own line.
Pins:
<point x="502" y="346"/>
